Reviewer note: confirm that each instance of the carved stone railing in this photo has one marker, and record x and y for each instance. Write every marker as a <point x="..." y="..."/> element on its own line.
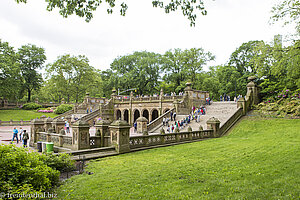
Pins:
<point x="57" y="139"/>
<point x="154" y="140"/>
<point x="231" y="121"/>
<point x="14" y="123"/>
<point x="95" y="141"/>
<point x="158" y="121"/>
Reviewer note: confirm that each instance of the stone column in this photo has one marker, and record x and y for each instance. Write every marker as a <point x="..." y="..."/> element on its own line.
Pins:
<point x="81" y="135"/>
<point x="58" y="124"/>
<point x="48" y="124"/>
<point x="189" y="93"/>
<point x="161" y="98"/>
<point x="36" y="126"/>
<point x="253" y="87"/>
<point x="103" y="131"/>
<point x="214" y="124"/>
<point x="242" y="104"/>
<point x="142" y="125"/>
<point x="119" y="132"/>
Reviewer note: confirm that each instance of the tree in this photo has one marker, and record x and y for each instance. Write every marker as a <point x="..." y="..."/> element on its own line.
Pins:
<point x="193" y="61"/>
<point x="139" y="70"/>
<point x="10" y="78"/>
<point x="31" y="58"/>
<point x="288" y="11"/>
<point x="243" y="58"/>
<point x="174" y="74"/>
<point x="70" y="77"/>
<point x="85" y="8"/>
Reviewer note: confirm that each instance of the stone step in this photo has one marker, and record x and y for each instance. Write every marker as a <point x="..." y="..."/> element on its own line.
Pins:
<point x="96" y="155"/>
<point x="92" y="151"/>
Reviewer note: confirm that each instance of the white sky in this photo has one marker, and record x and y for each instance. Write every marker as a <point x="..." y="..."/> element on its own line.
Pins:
<point x="229" y="23"/>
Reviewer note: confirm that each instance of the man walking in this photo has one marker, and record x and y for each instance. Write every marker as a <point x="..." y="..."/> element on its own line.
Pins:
<point x="15" y="135"/>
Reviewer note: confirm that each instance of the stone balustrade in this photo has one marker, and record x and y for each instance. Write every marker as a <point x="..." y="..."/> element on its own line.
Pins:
<point x="159" y="139"/>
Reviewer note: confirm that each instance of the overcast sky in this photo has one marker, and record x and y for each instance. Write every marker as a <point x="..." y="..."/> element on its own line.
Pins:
<point x="229" y="23"/>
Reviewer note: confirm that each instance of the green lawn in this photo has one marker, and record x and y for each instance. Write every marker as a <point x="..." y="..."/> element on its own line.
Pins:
<point x="259" y="159"/>
<point x="26" y="115"/>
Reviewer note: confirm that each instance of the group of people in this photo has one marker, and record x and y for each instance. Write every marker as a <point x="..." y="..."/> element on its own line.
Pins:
<point x="23" y="135"/>
<point x="225" y="97"/>
<point x="181" y="124"/>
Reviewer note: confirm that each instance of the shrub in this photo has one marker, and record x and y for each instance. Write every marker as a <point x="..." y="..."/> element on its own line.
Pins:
<point x="24" y="172"/>
<point x="31" y="106"/>
<point x="63" y="108"/>
<point x="60" y="162"/>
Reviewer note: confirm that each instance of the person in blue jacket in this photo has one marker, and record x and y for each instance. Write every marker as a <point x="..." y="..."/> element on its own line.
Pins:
<point x="15" y="135"/>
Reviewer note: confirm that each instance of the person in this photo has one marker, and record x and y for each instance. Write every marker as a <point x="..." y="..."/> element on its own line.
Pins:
<point x="21" y="133"/>
<point x="135" y="125"/>
<point x="67" y="127"/>
<point x="15" y="135"/>
<point x="171" y="115"/>
<point x="25" y="138"/>
<point x="221" y="98"/>
<point x="164" y="121"/>
<point x="172" y="128"/>
<point x="168" y="129"/>
<point x="174" y="116"/>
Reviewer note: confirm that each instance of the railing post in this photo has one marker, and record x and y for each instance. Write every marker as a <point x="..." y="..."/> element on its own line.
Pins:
<point x="103" y="131"/>
<point x="58" y="124"/>
<point x="81" y="135"/>
<point x="119" y="133"/>
<point x="142" y="125"/>
<point x="214" y="124"/>
<point x="36" y="126"/>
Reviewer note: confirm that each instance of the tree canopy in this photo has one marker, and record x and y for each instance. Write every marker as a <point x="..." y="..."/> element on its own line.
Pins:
<point x="86" y="8"/>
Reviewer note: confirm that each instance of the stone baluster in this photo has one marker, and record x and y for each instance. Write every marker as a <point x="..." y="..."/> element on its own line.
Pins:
<point x="119" y="132"/>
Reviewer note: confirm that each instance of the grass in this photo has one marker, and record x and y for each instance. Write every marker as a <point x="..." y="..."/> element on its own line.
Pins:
<point x="26" y="115"/>
<point x="259" y="159"/>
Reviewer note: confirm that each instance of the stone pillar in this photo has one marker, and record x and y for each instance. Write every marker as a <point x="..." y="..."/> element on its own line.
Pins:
<point x="36" y="126"/>
<point x="58" y="124"/>
<point x="242" y="104"/>
<point x="161" y="97"/>
<point x="189" y="93"/>
<point x="81" y="135"/>
<point x="119" y="132"/>
<point x="142" y="125"/>
<point x="255" y="91"/>
<point x="48" y="124"/>
<point x="103" y="131"/>
<point x="214" y="124"/>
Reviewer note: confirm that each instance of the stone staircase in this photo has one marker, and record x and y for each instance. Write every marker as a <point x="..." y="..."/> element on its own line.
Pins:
<point x="221" y="110"/>
<point x="95" y="153"/>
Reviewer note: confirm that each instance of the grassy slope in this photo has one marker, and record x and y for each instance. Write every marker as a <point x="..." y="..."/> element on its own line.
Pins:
<point x="16" y="115"/>
<point x="260" y="159"/>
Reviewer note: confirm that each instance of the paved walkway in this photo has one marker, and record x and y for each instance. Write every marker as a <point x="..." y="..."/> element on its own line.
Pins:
<point x="221" y="110"/>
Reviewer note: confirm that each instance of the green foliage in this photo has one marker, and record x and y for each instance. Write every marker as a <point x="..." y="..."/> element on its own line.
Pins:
<point x="31" y="106"/>
<point x="10" y="78"/>
<point x="31" y="58"/>
<point x="71" y="77"/>
<point x="60" y="162"/>
<point x="22" y="171"/>
<point x="257" y="160"/>
<point x="85" y="8"/>
<point x="63" y="108"/>
<point x="139" y="70"/>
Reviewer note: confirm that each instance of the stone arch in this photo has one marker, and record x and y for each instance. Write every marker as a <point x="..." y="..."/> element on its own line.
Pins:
<point x="118" y="114"/>
<point x="166" y="110"/>
<point x="136" y="114"/>
<point x="154" y="114"/>
<point x="126" y="116"/>
<point x="145" y="114"/>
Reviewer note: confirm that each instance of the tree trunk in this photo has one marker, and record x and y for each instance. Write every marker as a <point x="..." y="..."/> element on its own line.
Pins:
<point x="29" y="95"/>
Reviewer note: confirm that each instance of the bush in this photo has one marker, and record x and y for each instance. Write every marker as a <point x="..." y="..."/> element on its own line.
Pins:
<point x="60" y="162"/>
<point x="31" y="106"/>
<point x="63" y="108"/>
<point x="24" y="172"/>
